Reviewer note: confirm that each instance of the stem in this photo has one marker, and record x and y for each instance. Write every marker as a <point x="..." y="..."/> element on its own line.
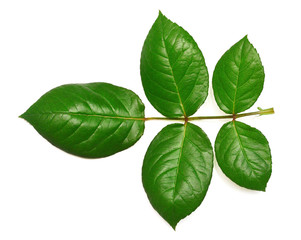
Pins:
<point x="233" y="116"/>
<point x="164" y="118"/>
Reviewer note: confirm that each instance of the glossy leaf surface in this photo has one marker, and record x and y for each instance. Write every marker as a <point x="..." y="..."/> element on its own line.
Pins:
<point x="173" y="70"/>
<point x="238" y="78"/>
<point x="177" y="170"/>
<point x="243" y="154"/>
<point x="89" y="120"/>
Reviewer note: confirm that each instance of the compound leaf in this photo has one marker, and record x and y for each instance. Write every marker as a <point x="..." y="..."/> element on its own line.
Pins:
<point x="89" y="120"/>
<point x="173" y="70"/>
<point x="238" y="78"/>
<point x="243" y="154"/>
<point x="177" y="170"/>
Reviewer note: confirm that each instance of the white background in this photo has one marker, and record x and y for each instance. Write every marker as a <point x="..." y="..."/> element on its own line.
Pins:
<point x="46" y="193"/>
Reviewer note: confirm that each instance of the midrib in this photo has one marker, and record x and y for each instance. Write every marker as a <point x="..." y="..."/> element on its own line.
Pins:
<point x="88" y="115"/>
<point x="242" y="148"/>
<point x="178" y="163"/>
<point x="173" y="76"/>
<point x="237" y="81"/>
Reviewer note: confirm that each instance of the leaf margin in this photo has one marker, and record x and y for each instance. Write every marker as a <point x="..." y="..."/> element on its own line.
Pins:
<point x="229" y="171"/>
<point x="66" y="87"/>
<point x="146" y="180"/>
<point x="202" y="81"/>
<point x="220" y="103"/>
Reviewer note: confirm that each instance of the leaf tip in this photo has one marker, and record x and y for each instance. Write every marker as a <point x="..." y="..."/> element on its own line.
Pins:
<point x="22" y="116"/>
<point x="259" y="187"/>
<point x="173" y="222"/>
<point x="161" y="15"/>
<point x="245" y="38"/>
<point x="262" y="189"/>
<point x="173" y="225"/>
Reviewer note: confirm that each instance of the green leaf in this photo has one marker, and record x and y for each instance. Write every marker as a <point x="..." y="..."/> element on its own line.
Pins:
<point x="244" y="155"/>
<point x="177" y="170"/>
<point x="238" y="78"/>
<point x="173" y="70"/>
<point x="89" y="120"/>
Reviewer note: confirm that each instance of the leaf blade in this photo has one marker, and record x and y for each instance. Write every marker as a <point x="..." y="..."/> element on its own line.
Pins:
<point x="177" y="170"/>
<point x="244" y="155"/>
<point x="238" y="78"/>
<point x="173" y="70"/>
<point x="88" y="120"/>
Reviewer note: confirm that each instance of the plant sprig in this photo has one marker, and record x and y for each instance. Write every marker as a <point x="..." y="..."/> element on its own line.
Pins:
<point x="96" y="120"/>
<point x="261" y="112"/>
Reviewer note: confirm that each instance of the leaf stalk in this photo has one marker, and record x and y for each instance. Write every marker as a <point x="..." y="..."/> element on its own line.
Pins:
<point x="260" y="112"/>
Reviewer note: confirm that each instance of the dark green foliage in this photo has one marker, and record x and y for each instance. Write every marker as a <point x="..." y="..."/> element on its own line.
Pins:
<point x="238" y="78"/>
<point x="99" y="119"/>
<point x="244" y="155"/>
<point x="89" y="120"/>
<point x="177" y="170"/>
<point x="173" y="70"/>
